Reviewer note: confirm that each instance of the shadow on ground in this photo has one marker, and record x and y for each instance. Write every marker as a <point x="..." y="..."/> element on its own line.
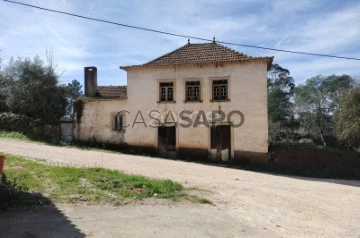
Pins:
<point x="25" y="214"/>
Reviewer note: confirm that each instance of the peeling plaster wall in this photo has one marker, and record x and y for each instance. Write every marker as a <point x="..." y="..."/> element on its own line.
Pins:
<point x="247" y="85"/>
<point x="96" y="122"/>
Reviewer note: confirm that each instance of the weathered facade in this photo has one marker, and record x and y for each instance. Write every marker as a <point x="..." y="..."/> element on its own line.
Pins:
<point x="201" y="101"/>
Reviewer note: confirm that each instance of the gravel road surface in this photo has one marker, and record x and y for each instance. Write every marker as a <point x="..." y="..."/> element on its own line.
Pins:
<point x="247" y="204"/>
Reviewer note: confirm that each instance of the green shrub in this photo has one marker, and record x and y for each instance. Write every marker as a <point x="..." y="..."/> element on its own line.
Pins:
<point x="308" y="160"/>
<point x="14" y="122"/>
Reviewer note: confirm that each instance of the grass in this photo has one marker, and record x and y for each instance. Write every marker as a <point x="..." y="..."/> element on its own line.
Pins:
<point x="23" y="137"/>
<point x="84" y="145"/>
<point x="44" y="184"/>
<point x="14" y="135"/>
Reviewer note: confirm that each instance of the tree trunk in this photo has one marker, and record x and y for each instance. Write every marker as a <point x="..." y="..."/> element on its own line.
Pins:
<point x="319" y="120"/>
<point x="322" y="137"/>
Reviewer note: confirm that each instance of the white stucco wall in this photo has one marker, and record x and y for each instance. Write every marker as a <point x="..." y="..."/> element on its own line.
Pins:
<point x="247" y="93"/>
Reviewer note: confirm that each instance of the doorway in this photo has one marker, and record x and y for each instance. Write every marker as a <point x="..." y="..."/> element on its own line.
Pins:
<point x="220" y="142"/>
<point x="167" y="140"/>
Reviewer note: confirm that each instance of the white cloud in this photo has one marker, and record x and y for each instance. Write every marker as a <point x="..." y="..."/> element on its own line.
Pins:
<point x="322" y="66"/>
<point x="294" y="25"/>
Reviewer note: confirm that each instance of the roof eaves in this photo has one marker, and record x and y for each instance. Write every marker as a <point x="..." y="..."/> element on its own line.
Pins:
<point x="269" y="61"/>
<point x="96" y="99"/>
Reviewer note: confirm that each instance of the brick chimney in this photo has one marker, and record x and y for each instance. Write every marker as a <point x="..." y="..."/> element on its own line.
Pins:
<point x="90" y="81"/>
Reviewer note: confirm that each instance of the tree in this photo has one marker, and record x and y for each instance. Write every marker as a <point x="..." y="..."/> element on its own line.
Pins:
<point x="280" y="107"/>
<point x="2" y="94"/>
<point x="73" y="91"/>
<point x="34" y="90"/>
<point x="4" y="90"/>
<point x="347" y="119"/>
<point x="317" y="100"/>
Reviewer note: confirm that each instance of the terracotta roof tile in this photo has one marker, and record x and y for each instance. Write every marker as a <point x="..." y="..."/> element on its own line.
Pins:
<point x="200" y="54"/>
<point x="108" y="93"/>
<point x="112" y="91"/>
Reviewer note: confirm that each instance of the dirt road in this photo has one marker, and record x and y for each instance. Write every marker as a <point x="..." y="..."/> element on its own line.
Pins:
<point x="247" y="203"/>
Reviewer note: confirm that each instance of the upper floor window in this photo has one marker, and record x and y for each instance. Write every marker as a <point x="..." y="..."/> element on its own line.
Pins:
<point x="220" y="90"/>
<point x="193" y="91"/>
<point x="167" y="92"/>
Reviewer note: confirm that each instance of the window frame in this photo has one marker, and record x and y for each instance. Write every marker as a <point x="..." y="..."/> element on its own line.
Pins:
<point x="170" y="85"/>
<point x="214" y="85"/>
<point x="193" y="84"/>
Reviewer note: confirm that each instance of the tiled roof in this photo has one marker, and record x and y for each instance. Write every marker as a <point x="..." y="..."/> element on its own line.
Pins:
<point x="108" y="93"/>
<point x="112" y="91"/>
<point x="200" y="54"/>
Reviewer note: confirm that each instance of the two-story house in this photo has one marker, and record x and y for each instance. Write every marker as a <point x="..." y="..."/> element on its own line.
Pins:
<point x="202" y="101"/>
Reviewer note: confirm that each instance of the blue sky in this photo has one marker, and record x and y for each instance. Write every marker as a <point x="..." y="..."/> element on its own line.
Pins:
<point x="321" y="26"/>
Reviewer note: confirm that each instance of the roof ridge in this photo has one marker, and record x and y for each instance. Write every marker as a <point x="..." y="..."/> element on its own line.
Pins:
<point x="199" y="53"/>
<point x="167" y="54"/>
<point x="234" y="51"/>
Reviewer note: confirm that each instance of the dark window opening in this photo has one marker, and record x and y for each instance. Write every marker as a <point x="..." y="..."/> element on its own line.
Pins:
<point x="193" y="91"/>
<point x="166" y="92"/>
<point x="220" y="90"/>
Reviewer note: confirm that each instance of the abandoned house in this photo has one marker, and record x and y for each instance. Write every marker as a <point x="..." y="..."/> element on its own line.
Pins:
<point x="200" y="101"/>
